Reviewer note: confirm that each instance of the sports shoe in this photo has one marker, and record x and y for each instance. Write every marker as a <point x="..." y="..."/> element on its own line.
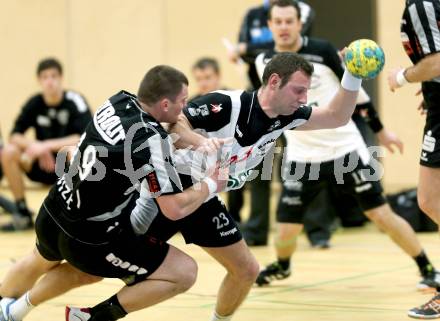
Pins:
<point x="430" y="282"/>
<point x="77" y="314"/>
<point x="5" y="303"/>
<point x="18" y="223"/>
<point x="273" y="271"/>
<point x="430" y="310"/>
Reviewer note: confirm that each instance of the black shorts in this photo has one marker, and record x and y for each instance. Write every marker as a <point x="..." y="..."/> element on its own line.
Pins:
<point x="129" y="257"/>
<point x="36" y="174"/>
<point x="430" y="154"/>
<point x="298" y="193"/>
<point x="210" y="225"/>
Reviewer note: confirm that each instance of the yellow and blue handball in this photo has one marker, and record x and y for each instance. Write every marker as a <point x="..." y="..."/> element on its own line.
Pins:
<point x="364" y="58"/>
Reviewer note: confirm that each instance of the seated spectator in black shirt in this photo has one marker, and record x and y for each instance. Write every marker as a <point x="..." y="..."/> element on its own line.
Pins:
<point x="58" y="117"/>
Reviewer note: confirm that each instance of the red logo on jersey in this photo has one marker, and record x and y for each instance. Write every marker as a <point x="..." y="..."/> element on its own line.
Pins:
<point x="153" y="182"/>
<point x="216" y="108"/>
<point x="234" y="159"/>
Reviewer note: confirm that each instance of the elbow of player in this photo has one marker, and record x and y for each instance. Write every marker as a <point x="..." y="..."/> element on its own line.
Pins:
<point x="335" y="120"/>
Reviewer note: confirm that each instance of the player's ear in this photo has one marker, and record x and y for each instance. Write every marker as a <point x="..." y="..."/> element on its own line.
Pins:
<point x="274" y="81"/>
<point x="164" y="104"/>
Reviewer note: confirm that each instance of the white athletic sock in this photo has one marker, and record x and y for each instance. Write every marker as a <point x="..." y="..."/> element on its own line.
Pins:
<point x="20" y="308"/>
<point x="4" y="304"/>
<point x="216" y="317"/>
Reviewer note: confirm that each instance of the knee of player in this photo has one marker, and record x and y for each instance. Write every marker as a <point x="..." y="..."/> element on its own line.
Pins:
<point x="429" y="205"/>
<point x="248" y="271"/>
<point x="380" y="214"/>
<point x="188" y="274"/>
<point x="10" y="152"/>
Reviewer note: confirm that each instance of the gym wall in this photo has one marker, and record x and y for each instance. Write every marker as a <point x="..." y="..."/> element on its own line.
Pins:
<point x="108" y="45"/>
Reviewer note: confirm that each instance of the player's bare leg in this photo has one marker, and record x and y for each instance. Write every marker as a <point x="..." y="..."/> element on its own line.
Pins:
<point x="242" y="270"/>
<point x="396" y="227"/>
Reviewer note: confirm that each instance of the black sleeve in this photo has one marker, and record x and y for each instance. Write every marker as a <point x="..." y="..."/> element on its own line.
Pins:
<point x="369" y="113"/>
<point x="244" y="33"/>
<point x="80" y="121"/>
<point x="333" y="60"/>
<point x="426" y="15"/>
<point x="162" y="176"/>
<point x="210" y="112"/>
<point x="26" y="118"/>
<point x="303" y="113"/>
<point x="300" y="116"/>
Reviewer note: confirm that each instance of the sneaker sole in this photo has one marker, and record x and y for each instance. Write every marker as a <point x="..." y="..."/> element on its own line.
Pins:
<point x="422" y="317"/>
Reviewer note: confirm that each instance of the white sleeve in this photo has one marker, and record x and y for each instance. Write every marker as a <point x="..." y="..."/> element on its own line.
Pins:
<point x="260" y="65"/>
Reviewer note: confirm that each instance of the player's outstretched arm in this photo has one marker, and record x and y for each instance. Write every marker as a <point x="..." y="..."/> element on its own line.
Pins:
<point x="340" y="109"/>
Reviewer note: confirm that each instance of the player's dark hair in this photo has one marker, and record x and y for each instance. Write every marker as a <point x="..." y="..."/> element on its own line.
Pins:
<point x="207" y="62"/>
<point x="284" y="3"/>
<point x="285" y="64"/>
<point x="49" y="63"/>
<point x="161" y="82"/>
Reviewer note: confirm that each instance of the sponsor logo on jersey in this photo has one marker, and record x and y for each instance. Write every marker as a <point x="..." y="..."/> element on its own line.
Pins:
<point x="230" y="232"/>
<point x="116" y="261"/>
<point x="236" y="181"/>
<point x="108" y="124"/>
<point x="63" y="117"/>
<point x="199" y="110"/>
<point x="216" y="108"/>
<point x="43" y="121"/>
<point x="235" y="159"/>
<point x="153" y="182"/>
<point x="263" y="147"/>
<point x="52" y="113"/>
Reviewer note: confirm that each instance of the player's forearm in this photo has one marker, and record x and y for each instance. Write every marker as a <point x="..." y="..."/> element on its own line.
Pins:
<point x="178" y="206"/>
<point x="56" y="144"/>
<point x="341" y="107"/>
<point x="426" y="69"/>
<point x="186" y="135"/>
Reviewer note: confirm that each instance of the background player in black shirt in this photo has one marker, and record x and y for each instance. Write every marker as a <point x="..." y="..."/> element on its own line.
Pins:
<point x="420" y="34"/>
<point x="101" y="233"/>
<point x="58" y="117"/>
<point x="325" y="149"/>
